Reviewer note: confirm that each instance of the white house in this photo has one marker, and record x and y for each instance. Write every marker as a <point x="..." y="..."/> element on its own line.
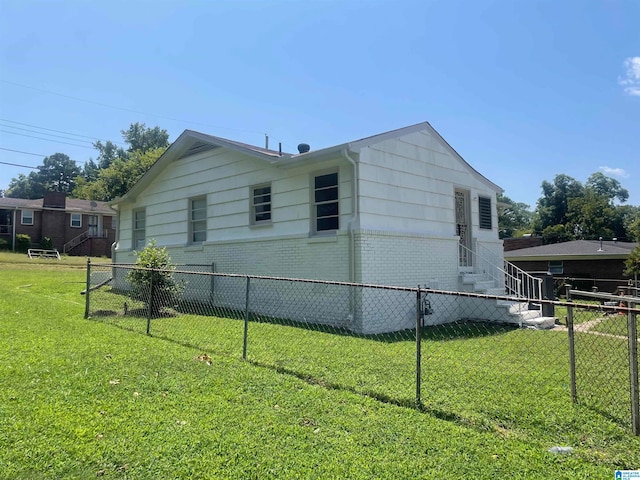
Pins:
<point x="398" y="208"/>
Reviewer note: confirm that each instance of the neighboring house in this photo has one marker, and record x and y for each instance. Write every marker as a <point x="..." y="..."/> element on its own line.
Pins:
<point x="399" y="208"/>
<point x="75" y="227"/>
<point x="602" y="261"/>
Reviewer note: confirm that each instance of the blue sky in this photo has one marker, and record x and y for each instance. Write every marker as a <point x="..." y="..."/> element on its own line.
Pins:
<point x="523" y="90"/>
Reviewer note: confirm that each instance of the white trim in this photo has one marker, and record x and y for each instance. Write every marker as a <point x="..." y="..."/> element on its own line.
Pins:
<point x="71" y="215"/>
<point x="22" y="216"/>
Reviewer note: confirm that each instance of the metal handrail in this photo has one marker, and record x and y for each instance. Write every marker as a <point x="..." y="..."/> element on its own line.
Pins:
<point x="516" y="281"/>
<point x="74" y="242"/>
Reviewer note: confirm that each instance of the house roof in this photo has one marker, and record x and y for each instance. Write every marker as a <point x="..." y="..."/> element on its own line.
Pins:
<point x="72" y="205"/>
<point x="191" y="142"/>
<point x="574" y="250"/>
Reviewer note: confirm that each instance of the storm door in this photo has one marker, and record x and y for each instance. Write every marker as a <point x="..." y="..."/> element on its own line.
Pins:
<point x="463" y="228"/>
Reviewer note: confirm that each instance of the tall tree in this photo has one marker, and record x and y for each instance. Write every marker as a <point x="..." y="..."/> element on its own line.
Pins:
<point x="553" y="205"/>
<point x="607" y="187"/>
<point x="108" y="152"/>
<point x="143" y="139"/>
<point x="514" y="218"/>
<point x="23" y="186"/>
<point x="119" y="177"/>
<point x="57" y="173"/>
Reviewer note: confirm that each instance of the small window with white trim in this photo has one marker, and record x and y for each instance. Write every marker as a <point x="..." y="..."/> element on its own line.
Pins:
<point x="26" y="217"/>
<point x="139" y="226"/>
<point x="198" y="220"/>
<point x="76" y="220"/>
<point x="261" y="204"/>
<point x="326" y="208"/>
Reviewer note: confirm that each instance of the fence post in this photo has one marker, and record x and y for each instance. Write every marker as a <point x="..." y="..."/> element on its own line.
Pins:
<point x="418" y="349"/>
<point x="150" y="306"/>
<point x="633" y="369"/>
<point x="246" y="321"/>
<point x="572" y="350"/>
<point x="87" y="289"/>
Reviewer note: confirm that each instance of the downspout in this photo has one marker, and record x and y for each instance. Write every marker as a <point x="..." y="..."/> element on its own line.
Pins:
<point x="354" y="216"/>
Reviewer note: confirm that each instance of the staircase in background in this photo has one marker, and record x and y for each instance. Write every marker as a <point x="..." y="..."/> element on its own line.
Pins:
<point x="82" y="238"/>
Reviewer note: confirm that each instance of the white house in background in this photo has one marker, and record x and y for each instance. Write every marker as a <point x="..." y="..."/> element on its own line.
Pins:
<point x="398" y="208"/>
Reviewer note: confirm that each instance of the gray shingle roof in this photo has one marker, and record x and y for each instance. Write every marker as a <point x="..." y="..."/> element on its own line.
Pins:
<point x="72" y="205"/>
<point x="574" y="248"/>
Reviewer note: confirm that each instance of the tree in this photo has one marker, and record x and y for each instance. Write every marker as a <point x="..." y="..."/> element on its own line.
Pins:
<point x="591" y="216"/>
<point x="607" y="187"/>
<point x="108" y="152"/>
<point x="116" y="180"/>
<point x="513" y="217"/>
<point x="23" y="187"/>
<point x="143" y="139"/>
<point x="632" y="265"/>
<point x="553" y="205"/>
<point x="57" y="173"/>
<point x="152" y="279"/>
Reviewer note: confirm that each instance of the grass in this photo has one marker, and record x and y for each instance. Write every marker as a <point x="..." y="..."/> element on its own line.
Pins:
<point x="80" y="399"/>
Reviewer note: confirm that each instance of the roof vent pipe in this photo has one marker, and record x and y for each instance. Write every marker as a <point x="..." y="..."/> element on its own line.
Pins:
<point x="600" y="249"/>
<point x="303" y="148"/>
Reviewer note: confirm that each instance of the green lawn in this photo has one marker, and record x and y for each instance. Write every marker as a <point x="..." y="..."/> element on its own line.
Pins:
<point x="82" y="398"/>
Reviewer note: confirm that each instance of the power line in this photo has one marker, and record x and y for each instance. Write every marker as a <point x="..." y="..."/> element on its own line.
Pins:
<point x="127" y="109"/>
<point x="45" y="133"/>
<point x="36" y="155"/>
<point x="17" y="165"/>
<point x="46" y="139"/>
<point x="52" y="130"/>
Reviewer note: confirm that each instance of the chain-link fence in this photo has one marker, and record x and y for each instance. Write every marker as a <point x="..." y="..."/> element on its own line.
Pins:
<point x="603" y="342"/>
<point x="443" y="350"/>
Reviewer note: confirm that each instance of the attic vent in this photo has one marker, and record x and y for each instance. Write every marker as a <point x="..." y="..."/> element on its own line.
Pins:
<point x="303" y="148"/>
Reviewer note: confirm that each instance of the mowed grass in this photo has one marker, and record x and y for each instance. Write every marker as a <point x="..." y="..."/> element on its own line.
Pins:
<point x="80" y="399"/>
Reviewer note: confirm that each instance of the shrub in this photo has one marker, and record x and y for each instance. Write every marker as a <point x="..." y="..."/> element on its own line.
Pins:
<point x="23" y="242"/>
<point x="153" y="281"/>
<point x="46" y="243"/>
<point x="4" y="245"/>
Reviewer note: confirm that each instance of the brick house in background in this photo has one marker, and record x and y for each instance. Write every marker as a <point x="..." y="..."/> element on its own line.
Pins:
<point x="588" y="263"/>
<point x="75" y="227"/>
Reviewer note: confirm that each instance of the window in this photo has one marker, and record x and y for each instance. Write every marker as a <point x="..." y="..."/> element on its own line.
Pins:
<point x="556" y="267"/>
<point x="27" y="217"/>
<point x="484" y="207"/>
<point x="198" y="220"/>
<point x="325" y="202"/>
<point x="139" y="225"/>
<point x="261" y="204"/>
<point x="76" y="220"/>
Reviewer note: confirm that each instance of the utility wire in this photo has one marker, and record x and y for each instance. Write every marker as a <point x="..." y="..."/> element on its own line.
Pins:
<point x="127" y="109"/>
<point x="17" y="165"/>
<point x="53" y="130"/>
<point x="45" y="133"/>
<point x="46" y="139"/>
<point x="36" y="155"/>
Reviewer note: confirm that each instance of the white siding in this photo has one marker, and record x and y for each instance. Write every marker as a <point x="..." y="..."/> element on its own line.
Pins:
<point x="407" y="184"/>
<point x="225" y="178"/>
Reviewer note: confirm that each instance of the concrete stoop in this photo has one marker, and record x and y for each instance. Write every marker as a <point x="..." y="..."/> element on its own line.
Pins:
<point x="511" y="312"/>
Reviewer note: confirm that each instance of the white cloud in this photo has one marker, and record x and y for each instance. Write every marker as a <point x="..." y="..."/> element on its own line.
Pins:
<point x="631" y="79"/>
<point x="616" y="172"/>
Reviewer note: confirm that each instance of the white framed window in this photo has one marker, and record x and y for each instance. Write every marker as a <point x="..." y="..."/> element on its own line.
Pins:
<point x="198" y="220"/>
<point x="484" y="210"/>
<point x="139" y="227"/>
<point x="26" y="218"/>
<point x="326" y="207"/>
<point x="556" y="267"/>
<point x="261" y="204"/>
<point x="76" y="220"/>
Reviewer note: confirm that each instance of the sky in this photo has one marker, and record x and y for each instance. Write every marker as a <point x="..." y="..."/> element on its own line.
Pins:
<point x="522" y="89"/>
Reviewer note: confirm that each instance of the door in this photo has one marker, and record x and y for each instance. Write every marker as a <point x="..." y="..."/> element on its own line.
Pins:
<point x="463" y="228"/>
<point x="92" y="222"/>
